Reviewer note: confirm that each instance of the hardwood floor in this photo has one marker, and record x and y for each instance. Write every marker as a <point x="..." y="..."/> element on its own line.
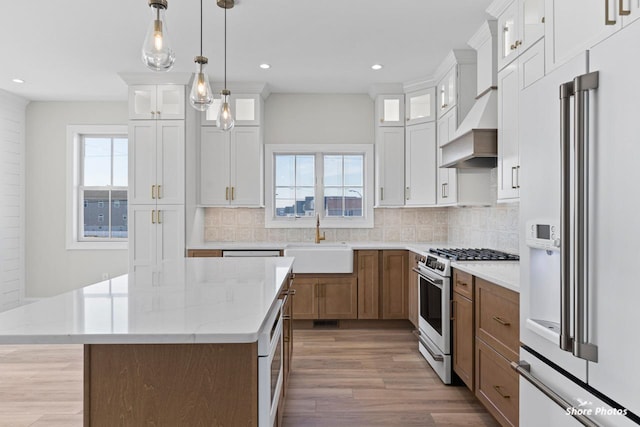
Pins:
<point x="339" y="378"/>
<point x="371" y="378"/>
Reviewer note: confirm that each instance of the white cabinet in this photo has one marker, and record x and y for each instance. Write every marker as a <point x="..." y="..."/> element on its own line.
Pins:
<point x="156" y="234"/>
<point x="516" y="77"/>
<point x="447" y="92"/>
<point x="420" y="165"/>
<point x="630" y="11"/>
<point x="247" y="110"/>
<point x="520" y="25"/>
<point x="389" y="110"/>
<point x="156" y="102"/>
<point x="231" y="167"/>
<point x="446" y="179"/>
<point x="156" y="162"/>
<point x="420" y="106"/>
<point x="574" y="26"/>
<point x="390" y="166"/>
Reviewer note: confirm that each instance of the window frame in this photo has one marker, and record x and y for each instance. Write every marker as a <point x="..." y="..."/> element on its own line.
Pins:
<point x="74" y="215"/>
<point x="319" y="151"/>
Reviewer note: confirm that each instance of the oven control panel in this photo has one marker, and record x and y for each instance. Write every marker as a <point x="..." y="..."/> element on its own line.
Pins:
<point x="434" y="264"/>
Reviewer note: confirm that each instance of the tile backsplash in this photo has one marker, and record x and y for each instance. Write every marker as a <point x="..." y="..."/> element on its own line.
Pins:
<point x="494" y="227"/>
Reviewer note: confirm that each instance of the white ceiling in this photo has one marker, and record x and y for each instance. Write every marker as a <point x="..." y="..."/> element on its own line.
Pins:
<point x="73" y="49"/>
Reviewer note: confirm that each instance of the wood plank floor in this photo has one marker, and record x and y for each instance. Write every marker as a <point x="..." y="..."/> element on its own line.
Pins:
<point x="371" y="378"/>
<point x="339" y="378"/>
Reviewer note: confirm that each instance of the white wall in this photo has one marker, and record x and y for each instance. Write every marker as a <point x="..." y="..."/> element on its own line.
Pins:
<point x="50" y="267"/>
<point x="318" y="119"/>
<point x="12" y="187"/>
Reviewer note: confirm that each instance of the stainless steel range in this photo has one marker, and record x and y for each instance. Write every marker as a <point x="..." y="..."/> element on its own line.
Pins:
<point x="434" y="288"/>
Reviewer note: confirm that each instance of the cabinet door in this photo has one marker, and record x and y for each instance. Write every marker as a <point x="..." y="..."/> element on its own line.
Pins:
<point x="142" y="236"/>
<point x="394" y="284"/>
<point x="170" y="102"/>
<point x="447" y="186"/>
<point x="171" y="234"/>
<point x="573" y="26"/>
<point x="306" y="306"/>
<point x="170" y="149"/>
<point x="390" y="110"/>
<point x="633" y="9"/>
<point x="214" y="167"/>
<point x="508" y="144"/>
<point x="420" y="106"/>
<point x="531" y="21"/>
<point x="421" y="165"/>
<point x="338" y="298"/>
<point x="413" y="304"/>
<point x="247" y="109"/>
<point x="447" y="92"/>
<point x="390" y="166"/>
<point x="142" y="102"/>
<point x="142" y="162"/>
<point x="463" y="339"/>
<point x="246" y="167"/>
<point x="508" y="35"/>
<point x="368" y="285"/>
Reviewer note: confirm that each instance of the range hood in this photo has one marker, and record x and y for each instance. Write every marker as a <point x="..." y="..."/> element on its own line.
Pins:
<point x="475" y="142"/>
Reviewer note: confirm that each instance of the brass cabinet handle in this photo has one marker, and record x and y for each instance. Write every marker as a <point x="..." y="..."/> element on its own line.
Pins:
<point x="158" y="113"/>
<point x="542" y="20"/>
<point x="461" y="283"/>
<point x="153" y="191"/>
<point x="226" y="193"/>
<point x="381" y="193"/>
<point x="153" y="113"/>
<point x="513" y="181"/>
<point x="498" y="389"/>
<point x="622" y="11"/>
<point x="518" y="43"/>
<point x="382" y="120"/>
<point x="159" y="217"/>
<point x="159" y="192"/>
<point x="153" y="216"/>
<point x="512" y="47"/>
<point x="501" y="321"/>
<point x="607" y="18"/>
<point x="233" y="193"/>
<point x="518" y="176"/>
<point x="446" y="189"/>
<point x="407" y="194"/>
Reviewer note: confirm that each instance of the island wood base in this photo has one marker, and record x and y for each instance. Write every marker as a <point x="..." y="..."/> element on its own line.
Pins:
<point x="170" y="385"/>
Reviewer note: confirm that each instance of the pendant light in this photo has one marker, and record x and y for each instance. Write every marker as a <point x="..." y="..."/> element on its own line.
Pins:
<point x="156" y="50"/>
<point x="225" y="119"/>
<point x="201" y="96"/>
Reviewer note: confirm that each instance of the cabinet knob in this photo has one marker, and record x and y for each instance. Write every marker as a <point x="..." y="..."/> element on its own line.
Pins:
<point x="382" y="120"/>
<point x="153" y="113"/>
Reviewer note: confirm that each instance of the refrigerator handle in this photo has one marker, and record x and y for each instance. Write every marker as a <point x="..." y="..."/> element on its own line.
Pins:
<point x="524" y="369"/>
<point x="566" y="248"/>
<point x="581" y="347"/>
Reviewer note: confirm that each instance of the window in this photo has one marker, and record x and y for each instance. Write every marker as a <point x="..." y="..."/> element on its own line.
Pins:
<point x="330" y="181"/>
<point x="98" y="180"/>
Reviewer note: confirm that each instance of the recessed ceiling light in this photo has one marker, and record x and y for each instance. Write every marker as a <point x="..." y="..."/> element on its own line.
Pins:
<point x="376" y="67"/>
<point x="18" y="81"/>
<point x="265" y="66"/>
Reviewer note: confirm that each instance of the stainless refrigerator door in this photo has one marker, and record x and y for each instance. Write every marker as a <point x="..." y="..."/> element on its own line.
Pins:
<point x="540" y="202"/>
<point x="615" y="218"/>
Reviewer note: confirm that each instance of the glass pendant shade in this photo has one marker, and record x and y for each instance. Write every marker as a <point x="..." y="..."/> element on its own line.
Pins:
<point x="157" y="54"/>
<point x="225" y="119"/>
<point x="201" y="96"/>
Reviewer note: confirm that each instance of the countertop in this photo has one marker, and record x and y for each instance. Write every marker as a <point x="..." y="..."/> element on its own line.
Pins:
<point x="196" y="300"/>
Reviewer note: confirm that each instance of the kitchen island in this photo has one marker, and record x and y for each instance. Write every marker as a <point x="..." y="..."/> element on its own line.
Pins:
<point x="176" y="345"/>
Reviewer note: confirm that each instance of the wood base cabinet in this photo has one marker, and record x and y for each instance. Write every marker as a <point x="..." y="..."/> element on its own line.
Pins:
<point x="463" y="339"/>
<point x="394" y="284"/>
<point x="326" y="297"/>
<point x="368" y="268"/>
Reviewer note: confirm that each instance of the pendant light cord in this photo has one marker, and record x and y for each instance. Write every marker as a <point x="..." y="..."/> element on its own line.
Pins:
<point x="225" y="47"/>
<point x="200" y="27"/>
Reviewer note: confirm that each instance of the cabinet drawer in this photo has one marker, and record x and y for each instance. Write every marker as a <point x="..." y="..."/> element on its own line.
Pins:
<point x="498" y="318"/>
<point x="463" y="283"/>
<point x="497" y="385"/>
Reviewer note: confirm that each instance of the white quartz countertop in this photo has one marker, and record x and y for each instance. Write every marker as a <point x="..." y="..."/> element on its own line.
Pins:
<point x="503" y="273"/>
<point x="196" y="300"/>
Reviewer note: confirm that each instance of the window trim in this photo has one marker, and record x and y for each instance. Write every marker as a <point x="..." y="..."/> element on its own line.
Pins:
<point x="74" y="138"/>
<point x="319" y="150"/>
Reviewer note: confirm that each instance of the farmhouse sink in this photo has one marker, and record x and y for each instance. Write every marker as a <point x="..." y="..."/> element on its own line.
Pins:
<point x="323" y="258"/>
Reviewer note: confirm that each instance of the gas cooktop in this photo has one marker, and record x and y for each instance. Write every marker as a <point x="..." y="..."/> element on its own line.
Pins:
<point x="469" y="254"/>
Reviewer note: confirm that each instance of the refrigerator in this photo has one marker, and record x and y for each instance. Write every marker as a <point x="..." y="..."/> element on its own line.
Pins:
<point x="580" y="240"/>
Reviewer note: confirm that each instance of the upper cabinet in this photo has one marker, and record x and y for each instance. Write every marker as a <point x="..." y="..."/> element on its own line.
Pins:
<point x="156" y="102"/>
<point x="577" y="25"/>
<point x="420" y="165"/>
<point x="247" y="109"/>
<point x="520" y="24"/>
<point x="447" y="92"/>
<point x="389" y="110"/>
<point x="420" y="106"/>
<point x="390" y="166"/>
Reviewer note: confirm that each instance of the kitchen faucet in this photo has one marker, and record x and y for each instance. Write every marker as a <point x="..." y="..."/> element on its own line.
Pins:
<point x="318" y="237"/>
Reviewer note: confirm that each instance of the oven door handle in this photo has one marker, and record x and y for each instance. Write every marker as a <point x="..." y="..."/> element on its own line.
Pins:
<point x="437" y="357"/>
<point x="434" y="279"/>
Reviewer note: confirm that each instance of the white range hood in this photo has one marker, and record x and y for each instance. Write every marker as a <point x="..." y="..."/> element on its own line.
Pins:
<point x="475" y="143"/>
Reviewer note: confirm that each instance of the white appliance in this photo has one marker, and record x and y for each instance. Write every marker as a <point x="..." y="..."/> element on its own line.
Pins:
<point x="270" y="368"/>
<point x="579" y="305"/>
